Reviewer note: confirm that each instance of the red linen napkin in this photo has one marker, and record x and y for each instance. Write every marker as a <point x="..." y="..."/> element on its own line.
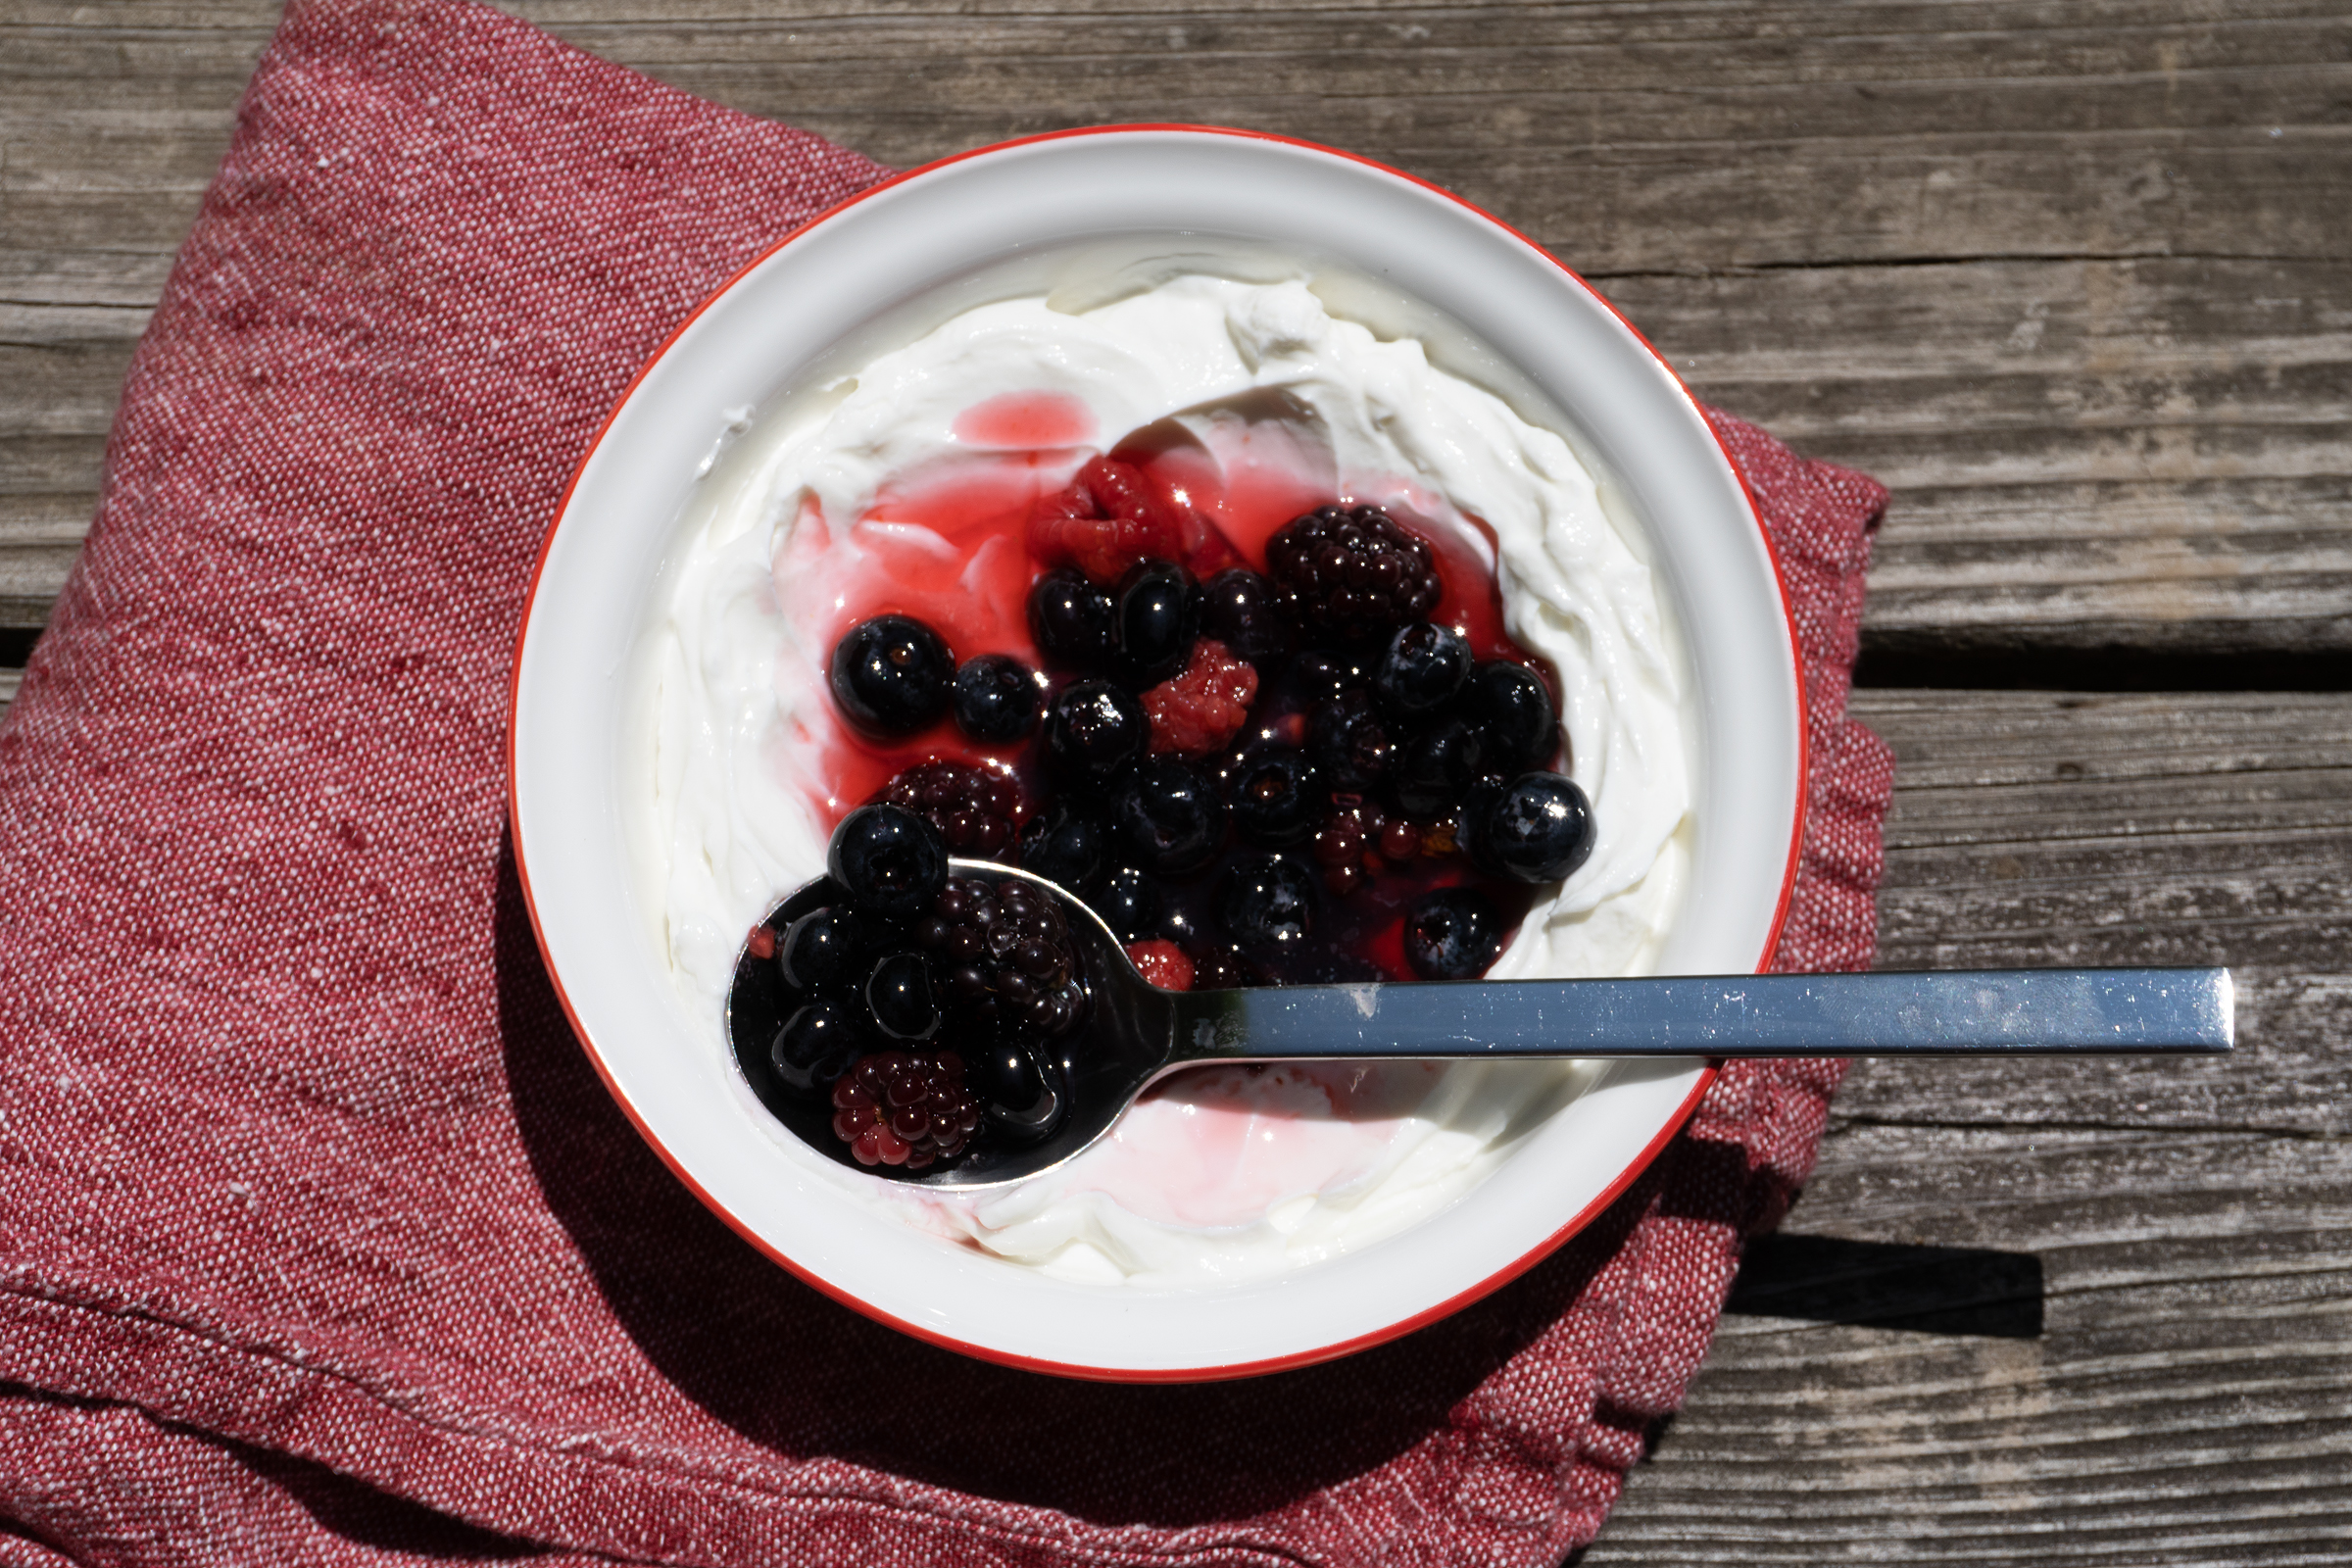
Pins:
<point x="319" y="1240"/>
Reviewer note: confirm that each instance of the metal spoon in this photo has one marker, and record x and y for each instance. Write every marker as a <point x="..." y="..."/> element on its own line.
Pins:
<point x="1135" y="1033"/>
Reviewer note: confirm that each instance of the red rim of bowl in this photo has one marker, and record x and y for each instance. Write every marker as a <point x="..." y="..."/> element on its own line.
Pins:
<point x="1204" y="1374"/>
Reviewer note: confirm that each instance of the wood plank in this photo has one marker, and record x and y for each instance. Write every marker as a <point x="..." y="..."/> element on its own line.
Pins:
<point x="2045" y="269"/>
<point x="2189" y="1224"/>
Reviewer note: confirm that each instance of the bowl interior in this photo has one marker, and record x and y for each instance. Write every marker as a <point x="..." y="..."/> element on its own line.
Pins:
<point x="1404" y="259"/>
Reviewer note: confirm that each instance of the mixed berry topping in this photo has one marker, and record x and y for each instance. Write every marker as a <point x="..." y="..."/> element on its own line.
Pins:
<point x="1336" y="767"/>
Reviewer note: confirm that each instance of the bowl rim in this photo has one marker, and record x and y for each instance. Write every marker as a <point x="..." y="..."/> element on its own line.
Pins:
<point x="1634" y="1169"/>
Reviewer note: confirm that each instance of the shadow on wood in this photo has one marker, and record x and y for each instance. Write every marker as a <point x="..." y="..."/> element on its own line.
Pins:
<point x="1930" y="1289"/>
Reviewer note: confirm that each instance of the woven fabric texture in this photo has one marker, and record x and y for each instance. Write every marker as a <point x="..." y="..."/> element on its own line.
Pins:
<point x="320" y="1242"/>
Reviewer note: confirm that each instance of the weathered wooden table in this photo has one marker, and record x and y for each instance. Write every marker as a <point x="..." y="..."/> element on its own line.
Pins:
<point x="2077" y="282"/>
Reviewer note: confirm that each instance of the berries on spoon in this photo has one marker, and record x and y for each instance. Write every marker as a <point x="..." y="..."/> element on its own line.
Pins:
<point x="899" y="995"/>
<point x="890" y="862"/>
<point x="893" y="675"/>
<point x="819" y="948"/>
<point x="1536" y="828"/>
<point x="1453" y="934"/>
<point x="814" y="1046"/>
<point x="996" y="697"/>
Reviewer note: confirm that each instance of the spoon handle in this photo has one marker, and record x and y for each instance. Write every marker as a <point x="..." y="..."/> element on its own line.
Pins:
<point x="1997" y="1012"/>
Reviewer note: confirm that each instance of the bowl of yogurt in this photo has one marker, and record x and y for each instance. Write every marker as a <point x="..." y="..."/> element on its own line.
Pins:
<point x="858" y="424"/>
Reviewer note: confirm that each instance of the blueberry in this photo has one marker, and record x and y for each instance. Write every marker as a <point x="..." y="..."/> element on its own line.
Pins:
<point x="1023" y="1095"/>
<point x="816" y="1045"/>
<point x="899" y="995"/>
<point x="1435" y="769"/>
<point x="1268" y="905"/>
<point x="1183" y="927"/>
<point x="819" y="947"/>
<point x="1076" y="624"/>
<point x="1171" y="817"/>
<point x="1158" y="617"/>
<point x="1538" y="828"/>
<point x="890" y="861"/>
<point x="1511" y="704"/>
<point x="1066" y="846"/>
<point x="1453" y="934"/>
<point x="1351" y="745"/>
<point x="1129" y="905"/>
<point x="996" y="697"/>
<point x="1093" y="728"/>
<point x="1238" y="609"/>
<point x="893" y="675"/>
<point x="1276" y="803"/>
<point x="1423" y="667"/>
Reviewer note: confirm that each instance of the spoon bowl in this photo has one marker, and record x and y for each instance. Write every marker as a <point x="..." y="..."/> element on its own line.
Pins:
<point x="1135" y="1033"/>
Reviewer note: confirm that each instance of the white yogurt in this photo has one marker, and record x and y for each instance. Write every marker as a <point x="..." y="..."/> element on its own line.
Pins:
<point x="1224" y="1174"/>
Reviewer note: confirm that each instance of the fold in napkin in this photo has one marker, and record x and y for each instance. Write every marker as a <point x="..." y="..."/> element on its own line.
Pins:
<point x="319" y="1240"/>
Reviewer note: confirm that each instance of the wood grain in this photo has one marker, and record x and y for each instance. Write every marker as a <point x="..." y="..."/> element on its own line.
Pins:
<point x="2045" y="269"/>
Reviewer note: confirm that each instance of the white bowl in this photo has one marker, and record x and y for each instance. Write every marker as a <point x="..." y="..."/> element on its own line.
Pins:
<point x="876" y="270"/>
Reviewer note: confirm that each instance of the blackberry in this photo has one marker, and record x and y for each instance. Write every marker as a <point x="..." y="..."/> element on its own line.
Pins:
<point x="997" y="698"/>
<point x="1453" y="934"/>
<point x="897" y="1107"/>
<point x="893" y="675"/>
<point x="1348" y="573"/>
<point x="1005" y="954"/>
<point x="974" y="809"/>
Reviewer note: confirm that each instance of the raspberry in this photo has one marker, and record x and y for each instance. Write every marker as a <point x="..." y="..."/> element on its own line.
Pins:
<point x="1005" y="954"/>
<point x="1351" y="572"/>
<point x="973" y="809"/>
<point x="1164" y="963"/>
<point x="897" y="1107"/>
<point x="1200" y="711"/>
<point x="1109" y="518"/>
